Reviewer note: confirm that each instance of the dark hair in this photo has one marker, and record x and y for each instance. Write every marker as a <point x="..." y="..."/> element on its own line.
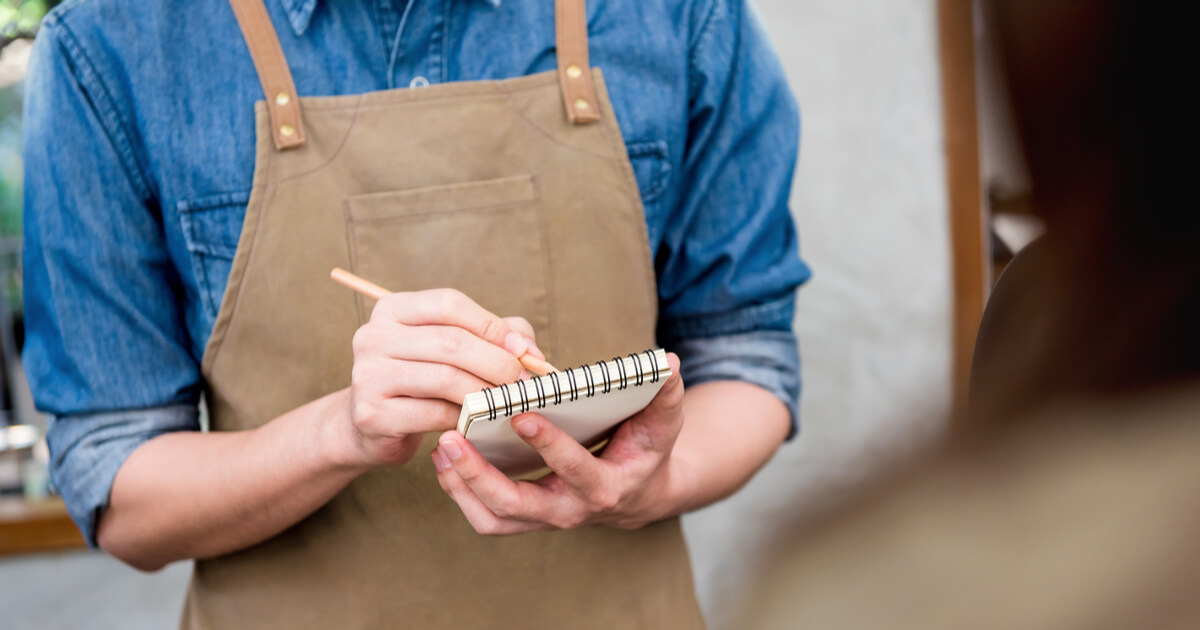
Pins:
<point x="1096" y="90"/>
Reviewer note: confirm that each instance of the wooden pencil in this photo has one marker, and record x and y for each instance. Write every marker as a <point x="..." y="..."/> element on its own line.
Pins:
<point x="372" y="290"/>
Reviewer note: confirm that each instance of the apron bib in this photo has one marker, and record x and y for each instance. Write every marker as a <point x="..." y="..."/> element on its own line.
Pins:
<point x="520" y="194"/>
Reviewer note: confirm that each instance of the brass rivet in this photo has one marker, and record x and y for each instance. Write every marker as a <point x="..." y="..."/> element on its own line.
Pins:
<point x="574" y="72"/>
<point x="282" y="99"/>
<point x="286" y="130"/>
<point x="582" y="105"/>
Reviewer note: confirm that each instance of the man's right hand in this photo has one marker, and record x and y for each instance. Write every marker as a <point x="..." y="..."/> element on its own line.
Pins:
<point x="415" y="360"/>
<point x="187" y="494"/>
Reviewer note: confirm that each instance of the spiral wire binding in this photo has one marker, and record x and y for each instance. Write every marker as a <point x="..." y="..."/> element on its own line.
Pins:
<point x="507" y="400"/>
<point x="607" y="380"/>
<point x="541" y="386"/>
<point x="621" y="371"/>
<point x="587" y="377"/>
<point x="637" y="360"/>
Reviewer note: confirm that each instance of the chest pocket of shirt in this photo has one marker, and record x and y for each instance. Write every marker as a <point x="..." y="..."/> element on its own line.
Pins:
<point x="211" y="228"/>
<point x="652" y="169"/>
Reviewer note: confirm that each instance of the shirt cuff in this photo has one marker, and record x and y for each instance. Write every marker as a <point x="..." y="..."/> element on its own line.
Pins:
<point x="767" y="358"/>
<point x="86" y="451"/>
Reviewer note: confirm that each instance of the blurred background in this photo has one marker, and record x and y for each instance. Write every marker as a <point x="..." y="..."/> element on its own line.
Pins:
<point x="902" y="217"/>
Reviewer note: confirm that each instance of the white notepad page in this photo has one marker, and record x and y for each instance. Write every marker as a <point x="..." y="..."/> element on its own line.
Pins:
<point x="562" y="398"/>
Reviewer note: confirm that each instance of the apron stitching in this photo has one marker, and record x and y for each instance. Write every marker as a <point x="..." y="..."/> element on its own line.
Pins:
<point x="222" y="325"/>
<point x="259" y="192"/>
<point x="547" y="135"/>
<point x="461" y="89"/>
<point x="333" y="156"/>
<point x="409" y="102"/>
<point x="352" y="252"/>
<point x="435" y="214"/>
<point x="547" y="270"/>
<point x="613" y="133"/>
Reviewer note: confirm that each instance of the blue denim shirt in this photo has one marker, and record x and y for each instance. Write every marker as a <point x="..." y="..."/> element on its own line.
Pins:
<point x="139" y="150"/>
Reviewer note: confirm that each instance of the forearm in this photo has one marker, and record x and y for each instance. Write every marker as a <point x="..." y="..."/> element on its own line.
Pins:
<point x="730" y="430"/>
<point x="194" y="495"/>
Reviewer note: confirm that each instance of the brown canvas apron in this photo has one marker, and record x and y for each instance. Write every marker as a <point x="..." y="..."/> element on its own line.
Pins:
<point x="518" y="193"/>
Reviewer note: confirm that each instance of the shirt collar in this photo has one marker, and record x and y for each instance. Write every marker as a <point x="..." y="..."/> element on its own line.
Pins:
<point x="299" y="12"/>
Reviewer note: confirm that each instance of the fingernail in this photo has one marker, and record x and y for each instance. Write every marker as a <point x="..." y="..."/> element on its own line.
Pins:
<point x="515" y="344"/>
<point x="525" y="375"/>
<point x="439" y="462"/>
<point x="531" y="348"/>
<point x="526" y="427"/>
<point x="451" y="449"/>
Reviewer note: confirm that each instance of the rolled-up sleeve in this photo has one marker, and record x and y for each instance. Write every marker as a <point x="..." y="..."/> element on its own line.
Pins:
<point x="766" y="358"/>
<point x="88" y="449"/>
<point x="729" y="262"/>
<point x="106" y="349"/>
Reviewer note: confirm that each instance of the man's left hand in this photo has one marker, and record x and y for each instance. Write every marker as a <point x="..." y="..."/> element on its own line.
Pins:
<point x="633" y="482"/>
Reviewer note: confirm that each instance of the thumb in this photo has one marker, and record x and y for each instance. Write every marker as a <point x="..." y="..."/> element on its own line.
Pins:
<point x="656" y="427"/>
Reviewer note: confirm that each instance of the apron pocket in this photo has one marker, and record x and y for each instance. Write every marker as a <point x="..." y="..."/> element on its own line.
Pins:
<point x="486" y="239"/>
<point x="211" y="227"/>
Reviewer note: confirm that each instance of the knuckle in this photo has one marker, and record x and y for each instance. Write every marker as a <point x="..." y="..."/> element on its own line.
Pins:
<point x="468" y="473"/>
<point x="487" y="526"/>
<point x="359" y="373"/>
<point x="449" y="300"/>
<point x="448" y="341"/>
<point x="386" y="306"/>
<point x="570" y="520"/>
<point x="364" y="340"/>
<point x="441" y="377"/>
<point x="521" y="324"/>
<point x="494" y="328"/>
<point x="506" y="507"/>
<point x="366" y="412"/>
<point x="605" y="500"/>
<point x="569" y="467"/>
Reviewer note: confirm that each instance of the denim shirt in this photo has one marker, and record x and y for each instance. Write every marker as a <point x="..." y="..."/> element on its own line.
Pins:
<point x="139" y="151"/>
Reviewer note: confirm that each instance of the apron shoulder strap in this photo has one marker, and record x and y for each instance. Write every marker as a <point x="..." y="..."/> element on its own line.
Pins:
<point x="574" y="74"/>
<point x="283" y="104"/>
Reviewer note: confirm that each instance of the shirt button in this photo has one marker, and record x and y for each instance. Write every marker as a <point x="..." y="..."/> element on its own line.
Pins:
<point x="418" y="82"/>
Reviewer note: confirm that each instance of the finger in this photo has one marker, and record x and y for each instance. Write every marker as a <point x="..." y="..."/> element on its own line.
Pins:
<point x="439" y="344"/>
<point x="503" y="497"/>
<point x="656" y="427"/>
<point x="443" y="307"/>
<point x="481" y="518"/>
<point x="577" y="467"/>
<point x="521" y="326"/>
<point x="392" y="378"/>
<point x="400" y="416"/>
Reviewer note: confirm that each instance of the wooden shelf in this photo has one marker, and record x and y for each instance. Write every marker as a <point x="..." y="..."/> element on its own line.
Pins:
<point x="31" y="526"/>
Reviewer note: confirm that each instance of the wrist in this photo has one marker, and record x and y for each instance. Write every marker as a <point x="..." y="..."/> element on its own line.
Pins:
<point x="338" y="443"/>
<point x="679" y="484"/>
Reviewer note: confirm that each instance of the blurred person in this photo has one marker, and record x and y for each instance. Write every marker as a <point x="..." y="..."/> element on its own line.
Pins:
<point x="179" y="237"/>
<point x="1071" y="496"/>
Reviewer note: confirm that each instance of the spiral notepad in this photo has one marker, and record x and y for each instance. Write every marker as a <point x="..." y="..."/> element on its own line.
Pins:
<point x="586" y="402"/>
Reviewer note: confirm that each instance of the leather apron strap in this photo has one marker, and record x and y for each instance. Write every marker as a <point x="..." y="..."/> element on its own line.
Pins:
<point x="574" y="74"/>
<point x="283" y="105"/>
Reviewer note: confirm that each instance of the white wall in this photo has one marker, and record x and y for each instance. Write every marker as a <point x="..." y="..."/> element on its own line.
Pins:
<point x="874" y="323"/>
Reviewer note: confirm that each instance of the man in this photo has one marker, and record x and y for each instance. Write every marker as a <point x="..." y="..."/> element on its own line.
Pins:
<point x="168" y="254"/>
